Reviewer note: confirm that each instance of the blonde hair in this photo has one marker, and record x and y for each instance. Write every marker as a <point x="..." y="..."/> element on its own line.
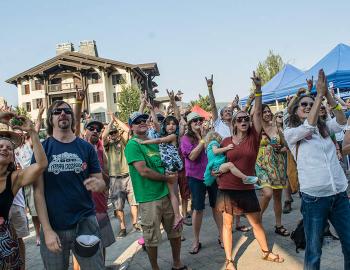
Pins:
<point x="212" y="135"/>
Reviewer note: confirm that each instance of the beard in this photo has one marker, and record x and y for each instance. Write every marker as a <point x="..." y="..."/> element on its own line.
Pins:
<point x="93" y="139"/>
<point x="64" y="124"/>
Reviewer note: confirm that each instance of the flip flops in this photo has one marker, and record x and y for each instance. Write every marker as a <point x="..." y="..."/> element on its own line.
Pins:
<point x="196" y="249"/>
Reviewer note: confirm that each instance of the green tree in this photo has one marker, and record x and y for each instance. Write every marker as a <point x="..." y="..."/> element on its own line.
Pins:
<point x="128" y="101"/>
<point x="22" y="111"/>
<point x="270" y="67"/>
<point x="203" y="102"/>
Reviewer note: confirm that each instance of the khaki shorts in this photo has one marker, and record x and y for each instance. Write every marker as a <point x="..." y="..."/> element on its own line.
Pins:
<point x="29" y="197"/>
<point x="152" y="215"/>
<point x="19" y="221"/>
<point x="120" y="191"/>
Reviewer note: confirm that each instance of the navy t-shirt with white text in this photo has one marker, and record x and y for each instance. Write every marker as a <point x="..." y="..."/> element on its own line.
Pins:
<point x="69" y="164"/>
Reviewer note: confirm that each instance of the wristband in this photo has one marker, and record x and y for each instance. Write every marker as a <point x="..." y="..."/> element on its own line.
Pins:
<point x="259" y="94"/>
<point x="337" y="107"/>
<point x="202" y="141"/>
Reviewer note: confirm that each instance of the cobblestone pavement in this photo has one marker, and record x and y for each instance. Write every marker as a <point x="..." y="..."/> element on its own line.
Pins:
<point x="127" y="254"/>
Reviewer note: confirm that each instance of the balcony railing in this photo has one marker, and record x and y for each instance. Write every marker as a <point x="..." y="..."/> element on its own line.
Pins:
<point x="63" y="87"/>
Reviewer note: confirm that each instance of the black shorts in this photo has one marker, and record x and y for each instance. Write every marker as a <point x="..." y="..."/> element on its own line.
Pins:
<point x="237" y="202"/>
<point x="198" y="191"/>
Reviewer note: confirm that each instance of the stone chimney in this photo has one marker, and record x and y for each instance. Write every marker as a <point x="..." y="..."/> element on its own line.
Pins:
<point x="64" y="47"/>
<point x="88" y="47"/>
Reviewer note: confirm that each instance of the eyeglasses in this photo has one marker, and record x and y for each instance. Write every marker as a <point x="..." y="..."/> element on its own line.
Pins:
<point x="93" y="128"/>
<point x="197" y="120"/>
<point x="139" y="121"/>
<point x="243" y="118"/>
<point x="305" y="104"/>
<point x="58" y="111"/>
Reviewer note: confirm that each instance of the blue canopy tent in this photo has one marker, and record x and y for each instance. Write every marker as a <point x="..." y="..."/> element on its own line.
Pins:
<point x="282" y="78"/>
<point x="336" y="65"/>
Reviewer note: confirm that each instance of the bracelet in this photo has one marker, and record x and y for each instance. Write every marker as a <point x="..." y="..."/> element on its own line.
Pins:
<point x="337" y="107"/>
<point x="202" y="141"/>
<point x="259" y="94"/>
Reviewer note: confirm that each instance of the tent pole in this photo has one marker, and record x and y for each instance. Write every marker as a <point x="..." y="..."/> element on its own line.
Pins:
<point x="277" y="105"/>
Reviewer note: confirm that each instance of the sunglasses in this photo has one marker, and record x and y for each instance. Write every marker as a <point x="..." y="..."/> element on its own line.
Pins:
<point x="139" y="121"/>
<point x="113" y="133"/>
<point x="279" y="116"/>
<point x="197" y="120"/>
<point x="92" y="128"/>
<point x="58" y="111"/>
<point x="243" y="118"/>
<point x="305" y="104"/>
<point x="322" y="108"/>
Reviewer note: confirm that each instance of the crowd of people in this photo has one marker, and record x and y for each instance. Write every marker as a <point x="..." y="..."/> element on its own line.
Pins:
<point x="160" y="163"/>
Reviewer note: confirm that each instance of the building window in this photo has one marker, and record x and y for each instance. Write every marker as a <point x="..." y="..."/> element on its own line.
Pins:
<point x="94" y="78"/>
<point x="118" y="79"/>
<point x="27" y="106"/>
<point x="26" y="89"/>
<point x="96" y="97"/>
<point x="101" y="116"/>
<point x="37" y="102"/>
<point x="115" y="98"/>
<point x="39" y="85"/>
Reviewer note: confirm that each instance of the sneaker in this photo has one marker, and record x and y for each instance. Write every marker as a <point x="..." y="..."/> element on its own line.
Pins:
<point x="122" y="233"/>
<point x="137" y="227"/>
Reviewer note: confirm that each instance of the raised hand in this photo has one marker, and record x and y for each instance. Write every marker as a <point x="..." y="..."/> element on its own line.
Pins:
<point x="321" y="85"/>
<point x="22" y="123"/>
<point x="310" y="83"/>
<point x="301" y="91"/>
<point x="80" y="95"/>
<point x="6" y="116"/>
<point x="41" y="108"/>
<point x="171" y="94"/>
<point x="210" y="81"/>
<point x="257" y="82"/>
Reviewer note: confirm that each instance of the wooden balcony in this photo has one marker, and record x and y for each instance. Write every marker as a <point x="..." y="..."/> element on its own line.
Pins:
<point x="63" y="87"/>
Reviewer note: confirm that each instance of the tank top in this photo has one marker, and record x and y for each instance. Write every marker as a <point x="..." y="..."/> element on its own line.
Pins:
<point x="6" y="198"/>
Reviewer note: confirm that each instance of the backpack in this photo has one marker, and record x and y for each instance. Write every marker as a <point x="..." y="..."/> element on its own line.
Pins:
<point x="298" y="236"/>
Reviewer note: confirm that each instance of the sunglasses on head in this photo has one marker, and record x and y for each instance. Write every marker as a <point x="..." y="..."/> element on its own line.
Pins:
<point x="58" y="111"/>
<point x="93" y="128"/>
<point x="243" y="118"/>
<point x="139" y="121"/>
<point x="305" y="104"/>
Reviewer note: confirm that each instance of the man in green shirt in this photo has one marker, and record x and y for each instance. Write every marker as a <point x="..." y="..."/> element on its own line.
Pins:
<point x="114" y="141"/>
<point x="151" y="192"/>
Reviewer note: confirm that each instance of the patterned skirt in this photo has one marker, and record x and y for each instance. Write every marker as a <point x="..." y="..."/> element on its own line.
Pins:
<point x="9" y="250"/>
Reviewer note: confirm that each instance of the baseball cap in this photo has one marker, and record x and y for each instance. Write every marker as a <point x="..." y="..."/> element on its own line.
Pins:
<point x="136" y="115"/>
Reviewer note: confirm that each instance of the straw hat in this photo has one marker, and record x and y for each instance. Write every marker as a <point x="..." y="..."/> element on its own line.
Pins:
<point x="15" y="138"/>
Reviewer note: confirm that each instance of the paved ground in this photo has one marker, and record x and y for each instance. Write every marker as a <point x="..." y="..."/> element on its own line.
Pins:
<point x="127" y="254"/>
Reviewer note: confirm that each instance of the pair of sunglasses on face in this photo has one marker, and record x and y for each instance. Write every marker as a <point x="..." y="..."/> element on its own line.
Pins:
<point x="240" y="119"/>
<point x="58" y="111"/>
<point x="140" y="121"/>
<point x="93" y="128"/>
<point x="305" y="104"/>
<point x="197" y="120"/>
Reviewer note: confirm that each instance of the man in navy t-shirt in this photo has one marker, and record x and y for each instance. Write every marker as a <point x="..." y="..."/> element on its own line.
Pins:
<point x="63" y="194"/>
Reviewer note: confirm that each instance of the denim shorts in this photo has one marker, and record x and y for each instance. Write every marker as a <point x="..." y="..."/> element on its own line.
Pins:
<point x="198" y="191"/>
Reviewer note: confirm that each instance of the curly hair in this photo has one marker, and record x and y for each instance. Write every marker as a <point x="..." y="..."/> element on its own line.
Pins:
<point x="54" y="105"/>
<point x="211" y="136"/>
<point x="294" y="120"/>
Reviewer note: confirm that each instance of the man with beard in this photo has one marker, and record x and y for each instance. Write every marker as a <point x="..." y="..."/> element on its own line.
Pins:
<point x="63" y="194"/>
<point x="151" y="191"/>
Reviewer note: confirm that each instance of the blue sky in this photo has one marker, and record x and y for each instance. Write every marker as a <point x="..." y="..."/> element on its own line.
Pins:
<point x="188" y="39"/>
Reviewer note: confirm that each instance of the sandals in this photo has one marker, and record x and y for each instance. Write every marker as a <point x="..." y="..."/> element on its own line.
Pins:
<point x="287" y="207"/>
<point x="281" y="231"/>
<point x="267" y="257"/>
<point x="228" y="262"/>
<point x="243" y="228"/>
<point x="196" y="249"/>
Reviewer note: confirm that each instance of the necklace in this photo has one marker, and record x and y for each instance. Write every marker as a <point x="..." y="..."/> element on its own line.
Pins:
<point x="239" y="140"/>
